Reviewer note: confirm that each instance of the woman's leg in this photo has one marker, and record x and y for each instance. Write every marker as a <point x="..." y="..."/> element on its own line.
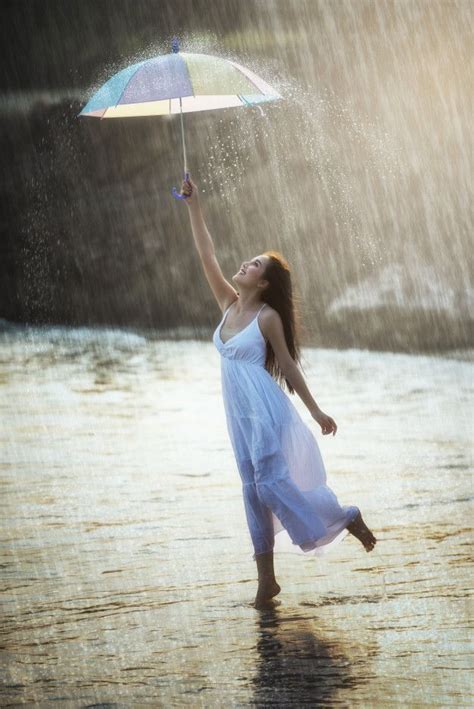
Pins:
<point x="267" y="584"/>
<point x="360" y="530"/>
<point x="260" y="524"/>
<point x="259" y="520"/>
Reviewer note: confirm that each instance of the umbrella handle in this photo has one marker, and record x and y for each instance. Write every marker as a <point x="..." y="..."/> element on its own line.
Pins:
<point x="177" y="194"/>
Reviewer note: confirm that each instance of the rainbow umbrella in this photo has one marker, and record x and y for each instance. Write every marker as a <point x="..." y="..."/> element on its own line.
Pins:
<point x="179" y="82"/>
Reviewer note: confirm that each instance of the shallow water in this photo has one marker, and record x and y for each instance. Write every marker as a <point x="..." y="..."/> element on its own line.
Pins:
<point x="126" y="561"/>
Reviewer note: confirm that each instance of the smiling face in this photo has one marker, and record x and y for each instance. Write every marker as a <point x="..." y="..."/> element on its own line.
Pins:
<point x="251" y="273"/>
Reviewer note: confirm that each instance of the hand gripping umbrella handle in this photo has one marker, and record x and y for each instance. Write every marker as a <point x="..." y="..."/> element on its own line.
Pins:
<point x="177" y="194"/>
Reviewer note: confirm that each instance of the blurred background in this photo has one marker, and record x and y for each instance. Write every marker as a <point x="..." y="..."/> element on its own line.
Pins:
<point x="361" y="176"/>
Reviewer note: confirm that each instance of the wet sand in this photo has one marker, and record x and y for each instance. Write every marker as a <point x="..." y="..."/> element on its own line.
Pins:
<point x="127" y="568"/>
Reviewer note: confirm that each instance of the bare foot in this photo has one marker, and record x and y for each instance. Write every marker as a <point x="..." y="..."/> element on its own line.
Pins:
<point x="267" y="588"/>
<point x="360" y="530"/>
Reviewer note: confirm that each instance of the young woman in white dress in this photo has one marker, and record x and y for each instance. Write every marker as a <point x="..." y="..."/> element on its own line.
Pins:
<point x="264" y="287"/>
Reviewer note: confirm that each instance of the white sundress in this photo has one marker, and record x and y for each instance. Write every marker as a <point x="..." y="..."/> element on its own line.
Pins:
<point x="288" y="506"/>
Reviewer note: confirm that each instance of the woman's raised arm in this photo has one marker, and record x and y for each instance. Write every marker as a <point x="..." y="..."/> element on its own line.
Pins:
<point x="223" y="291"/>
<point x="202" y="238"/>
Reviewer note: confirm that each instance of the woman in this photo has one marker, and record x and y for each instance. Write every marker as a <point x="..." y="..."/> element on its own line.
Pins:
<point x="283" y="476"/>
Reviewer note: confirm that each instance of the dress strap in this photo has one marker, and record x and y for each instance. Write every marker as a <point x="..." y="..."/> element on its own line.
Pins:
<point x="261" y="308"/>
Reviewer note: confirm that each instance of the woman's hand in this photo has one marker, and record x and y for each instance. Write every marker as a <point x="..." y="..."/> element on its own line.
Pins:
<point x="190" y="191"/>
<point x="328" y="425"/>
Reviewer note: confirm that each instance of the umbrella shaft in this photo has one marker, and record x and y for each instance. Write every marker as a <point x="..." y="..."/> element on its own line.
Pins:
<point x="182" y="136"/>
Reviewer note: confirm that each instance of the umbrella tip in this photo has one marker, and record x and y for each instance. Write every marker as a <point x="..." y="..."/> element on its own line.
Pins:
<point x="175" y="44"/>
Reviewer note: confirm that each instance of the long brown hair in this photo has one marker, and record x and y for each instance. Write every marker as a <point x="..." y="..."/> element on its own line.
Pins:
<point x="279" y="295"/>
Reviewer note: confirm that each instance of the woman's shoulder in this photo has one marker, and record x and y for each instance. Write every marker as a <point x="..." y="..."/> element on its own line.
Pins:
<point x="269" y="312"/>
<point x="268" y="315"/>
<point x="267" y="318"/>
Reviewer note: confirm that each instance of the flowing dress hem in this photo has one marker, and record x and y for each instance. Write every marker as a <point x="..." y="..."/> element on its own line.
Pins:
<point x="336" y="532"/>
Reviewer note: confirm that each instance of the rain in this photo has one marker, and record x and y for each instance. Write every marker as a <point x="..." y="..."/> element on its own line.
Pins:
<point x="127" y="567"/>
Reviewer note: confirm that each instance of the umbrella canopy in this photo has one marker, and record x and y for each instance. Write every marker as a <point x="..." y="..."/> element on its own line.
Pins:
<point x="175" y="83"/>
<point x="179" y="82"/>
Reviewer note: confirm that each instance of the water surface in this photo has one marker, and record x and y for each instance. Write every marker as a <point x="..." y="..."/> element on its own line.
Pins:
<point x="127" y="564"/>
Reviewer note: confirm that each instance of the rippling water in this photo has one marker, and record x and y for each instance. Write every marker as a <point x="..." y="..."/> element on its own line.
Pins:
<point x="126" y="561"/>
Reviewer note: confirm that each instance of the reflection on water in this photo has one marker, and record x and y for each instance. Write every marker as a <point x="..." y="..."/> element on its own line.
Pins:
<point x="127" y="565"/>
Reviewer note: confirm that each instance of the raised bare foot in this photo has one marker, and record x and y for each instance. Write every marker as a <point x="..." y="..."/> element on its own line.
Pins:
<point x="267" y="588"/>
<point x="360" y="530"/>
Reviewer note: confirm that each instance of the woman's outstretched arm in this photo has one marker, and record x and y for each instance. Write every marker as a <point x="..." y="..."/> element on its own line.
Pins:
<point x="223" y="291"/>
<point x="202" y="238"/>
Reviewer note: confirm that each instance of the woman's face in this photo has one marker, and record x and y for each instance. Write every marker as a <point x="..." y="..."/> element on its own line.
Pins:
<point x="251" y="272"/>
